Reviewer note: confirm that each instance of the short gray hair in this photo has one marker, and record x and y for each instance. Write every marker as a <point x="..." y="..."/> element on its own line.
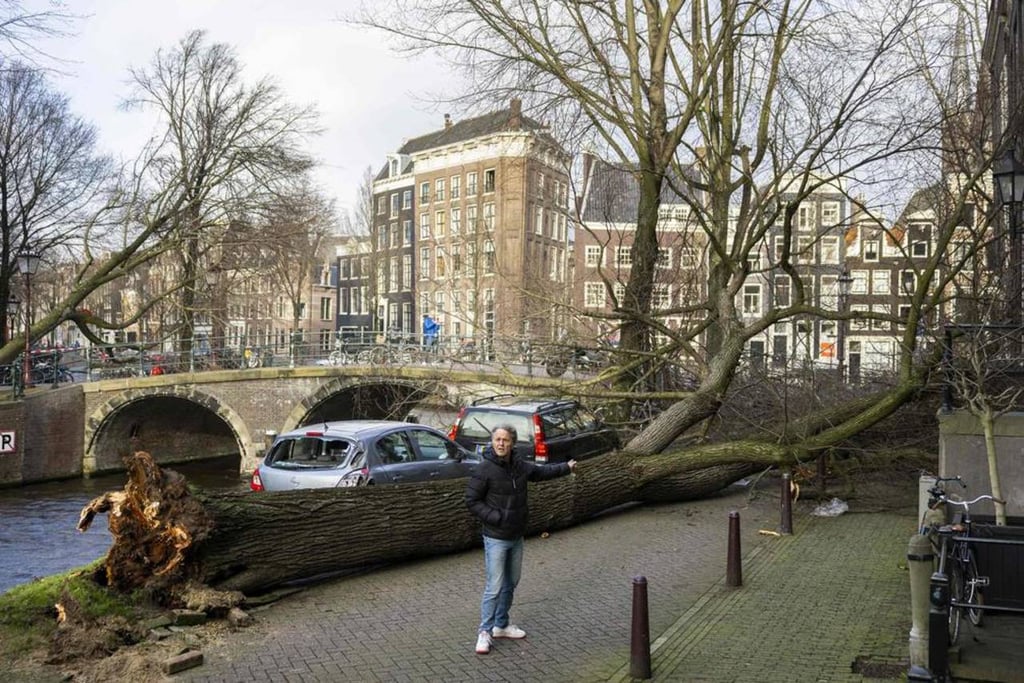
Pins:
<point x="508" y="428"/>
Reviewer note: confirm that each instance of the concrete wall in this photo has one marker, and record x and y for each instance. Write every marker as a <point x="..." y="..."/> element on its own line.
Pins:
<point x="962" y="452"/>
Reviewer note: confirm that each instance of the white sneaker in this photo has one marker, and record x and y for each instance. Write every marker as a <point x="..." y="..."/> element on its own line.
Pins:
<point x="483" y="643"/>
<point x="511" y="631"/>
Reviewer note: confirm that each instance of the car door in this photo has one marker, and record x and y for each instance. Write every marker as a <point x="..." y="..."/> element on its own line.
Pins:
<point x="398" y="461"/>
<point x="442" y="458"/>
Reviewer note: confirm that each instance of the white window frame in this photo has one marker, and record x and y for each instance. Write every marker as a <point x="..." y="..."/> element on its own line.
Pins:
<point x="860" y="281"/>
<point x="881" y="281"/>
<point x="471" y="184"/>
<point x="425" y="225"/>
<point x="594" y="295"/>
<point x="439" y="189"/>
<point x="424" y="263"/>
<point x="623" y="257"/>
<point x="439" y="224"/>
<point x="830" y="249"/>
<point x="751" y="299"/>
<point x="593" y="256"/>
<point x="455" y="185"/>
<point x="830" y="215"/>
<point x="869" y="255"/>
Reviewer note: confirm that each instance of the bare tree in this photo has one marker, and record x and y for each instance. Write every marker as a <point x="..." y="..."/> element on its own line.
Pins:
<point x="743" y="112"/>
<point x="228" y="147"/>
<point x="51" y="177"/>
<point x="21" y="28"/>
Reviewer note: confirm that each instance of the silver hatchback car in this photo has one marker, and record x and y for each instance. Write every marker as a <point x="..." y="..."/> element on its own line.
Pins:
<point x="360" y="452"/>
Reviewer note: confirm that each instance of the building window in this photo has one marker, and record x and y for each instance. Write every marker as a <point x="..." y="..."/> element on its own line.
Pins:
<point x="904" y="314"/>
<point x="871" y="251"/>
<point x="382" y="237"/>
<point x="752" y="299"/>
<point x="381" y="205"/>
<point x="439" y="268"/>
<point x="325" y="308"/>
<point x="343" y="301"/>
<point x="689" y="257"/>
<point x="830" y="250"/>
<point x="780" y="248"/>
<point x="489" y="257"/>
<point x="860" y="282"/>
<point x="406" y="272"/>
<point x="919" y="249"/>
<point x="858" y="324"/>
<point x="456" y="259"/>
<point x="407" y="199"/>
<point x="471" y="225"/>
<point x="664" y="259"/>
<point x="489" y="217"/>
<point x="395" y="199"/>
<point x="880" y="282"/>
<point x="783" y="291"/>
<point x="394" y="234"/>
<point x="425" y="263"/>
<point x="407" y="231"/>
<point x="424" y="193"/>
<point x="805" y="249"/>
<point x="439" y="224"/>
<point x="424" y="226"/>
<point x="908" y="282"/>
<point x="489" y="178"/>
<point x="805" y="217"/>
<point x="623" y="257"/>
<point x="619" y="290"/>
<point x="592" y="256"/>
<point x="456" y="221"/>
<point x="883" y="310"/>
<point x="661" y="296"/>
<point x="471" y="183"/>
<point x="830" y="214"/>
<point x="593" y="294"/>
<point x="439" y="189"/>
<point x="456" y="186"/>
<point x="393" y="275"/>
<point x="538" y="221"/>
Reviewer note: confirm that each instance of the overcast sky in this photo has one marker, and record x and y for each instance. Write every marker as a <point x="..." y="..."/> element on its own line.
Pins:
<point x="369" y="99"/>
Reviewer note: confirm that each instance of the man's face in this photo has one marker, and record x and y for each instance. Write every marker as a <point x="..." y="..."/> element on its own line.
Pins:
<point x="502" y="443"/>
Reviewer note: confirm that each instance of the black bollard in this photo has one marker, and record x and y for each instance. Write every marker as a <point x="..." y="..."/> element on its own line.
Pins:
<point x="786" y="526"/>
<point x="938" y="623"/>
<point x="640" y="643"/>
<point x="733" y="568"/>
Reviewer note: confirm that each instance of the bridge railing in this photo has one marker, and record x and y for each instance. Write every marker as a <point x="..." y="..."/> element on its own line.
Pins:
<point x="524" y="356"/>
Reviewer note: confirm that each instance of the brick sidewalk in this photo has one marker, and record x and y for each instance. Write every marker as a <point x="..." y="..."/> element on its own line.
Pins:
<point x="811" y="603"/>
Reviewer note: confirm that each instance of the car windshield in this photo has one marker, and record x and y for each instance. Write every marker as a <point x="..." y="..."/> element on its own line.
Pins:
<point x="479" y="425"/>
<point x="310" y="452"/>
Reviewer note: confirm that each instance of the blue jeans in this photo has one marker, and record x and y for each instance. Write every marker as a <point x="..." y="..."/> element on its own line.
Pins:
<point x="503" y="563"/>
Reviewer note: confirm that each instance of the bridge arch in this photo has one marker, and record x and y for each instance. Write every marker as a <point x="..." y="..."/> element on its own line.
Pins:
<point x="172" y="422"/>
<point x="386" y="398"/>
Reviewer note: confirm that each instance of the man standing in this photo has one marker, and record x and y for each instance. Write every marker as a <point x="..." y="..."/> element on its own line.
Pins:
<point x="496" y="494"/>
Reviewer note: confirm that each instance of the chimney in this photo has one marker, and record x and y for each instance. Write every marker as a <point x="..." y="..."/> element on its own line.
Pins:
<point x="447" y="121"/>
<point x="515" y="119"/>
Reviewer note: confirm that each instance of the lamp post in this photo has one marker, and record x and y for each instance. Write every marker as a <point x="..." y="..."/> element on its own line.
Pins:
<point x="12" y="315"/>
<point x="845" y="282"/>
<point x="28" y="264"/>
<point x="1008" y="174"/>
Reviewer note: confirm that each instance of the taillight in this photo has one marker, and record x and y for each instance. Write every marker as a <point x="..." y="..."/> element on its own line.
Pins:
<point x="256" y="484"/>
<point x="540" y="447"/>
<point x="454" y="431"/>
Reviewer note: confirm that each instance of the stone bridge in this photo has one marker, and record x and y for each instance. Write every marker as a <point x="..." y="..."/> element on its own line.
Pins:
<point x="192" y="416"/>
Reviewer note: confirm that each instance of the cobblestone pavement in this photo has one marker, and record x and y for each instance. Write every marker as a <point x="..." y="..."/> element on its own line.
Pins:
<point x="811" y="604"/>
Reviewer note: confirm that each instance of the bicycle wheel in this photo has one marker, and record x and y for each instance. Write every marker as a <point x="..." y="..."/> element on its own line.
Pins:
<point x="972" y="590"/>
<point x="956" y="594"/>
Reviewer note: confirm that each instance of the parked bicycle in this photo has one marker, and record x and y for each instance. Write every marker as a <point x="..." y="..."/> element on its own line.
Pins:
<point x="956" y="558"/>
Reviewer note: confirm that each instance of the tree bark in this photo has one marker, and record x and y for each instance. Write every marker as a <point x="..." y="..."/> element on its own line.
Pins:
<point x="259" y="541"/>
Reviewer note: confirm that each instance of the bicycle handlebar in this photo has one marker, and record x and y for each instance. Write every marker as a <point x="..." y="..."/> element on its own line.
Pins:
<point x="966" y="504"/>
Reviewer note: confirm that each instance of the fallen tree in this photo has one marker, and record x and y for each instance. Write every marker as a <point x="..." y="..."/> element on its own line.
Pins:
<point x="167" y="536"/>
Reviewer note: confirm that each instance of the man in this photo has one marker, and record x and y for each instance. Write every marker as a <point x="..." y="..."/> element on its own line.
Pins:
<point x="496" y="494"/>
<point x="429" y="331"/>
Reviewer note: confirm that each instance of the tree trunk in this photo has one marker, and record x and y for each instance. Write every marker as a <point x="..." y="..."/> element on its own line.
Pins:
<point x="259" y="541"/>
<point x="989" y="429"/>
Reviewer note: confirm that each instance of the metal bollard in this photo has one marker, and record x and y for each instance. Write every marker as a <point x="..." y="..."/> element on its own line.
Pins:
<point x="919" y="564"/>
<point x="786" y="525"/>
<point x="734" y="568"/>
<point x="640" y="642"/>
<point x="938" y="620"/>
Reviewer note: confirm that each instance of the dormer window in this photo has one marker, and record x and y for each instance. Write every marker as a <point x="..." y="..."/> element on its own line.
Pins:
<point x="871" y="250"/>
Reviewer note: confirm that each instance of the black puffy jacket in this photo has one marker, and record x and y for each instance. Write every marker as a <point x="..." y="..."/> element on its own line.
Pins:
<point x="496" y="493"/>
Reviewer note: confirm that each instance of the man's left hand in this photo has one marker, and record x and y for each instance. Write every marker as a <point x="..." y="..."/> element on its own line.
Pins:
<point x="572" y="466"/>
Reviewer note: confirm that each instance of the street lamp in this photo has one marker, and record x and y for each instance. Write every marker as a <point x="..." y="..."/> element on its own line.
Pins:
<point x="12" y="314"/>
<point x="28" y="264"/>
<point x="845" y="283"/>
<point x="1008" y="174"/>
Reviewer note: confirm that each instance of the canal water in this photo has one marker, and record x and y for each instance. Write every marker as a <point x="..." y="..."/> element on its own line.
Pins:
<point x="37" y="522"/>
